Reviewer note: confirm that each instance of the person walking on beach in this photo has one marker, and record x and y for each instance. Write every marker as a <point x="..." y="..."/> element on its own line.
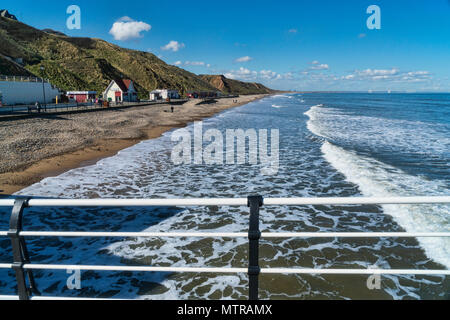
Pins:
<point x="38" y="106"/>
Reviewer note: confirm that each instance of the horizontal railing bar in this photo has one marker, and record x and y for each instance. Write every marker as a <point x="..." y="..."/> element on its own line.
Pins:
<point x="130" y="202"/>
<point x="136" y="269"/>
<point x="6" y="297"/>
<point x="356" y="201"/>
<point x="236" y="270"/>
<point x="44" y="298"/>
<point x="355" y="271"/>
<point x="228" y="201"/>
<point x="356" y="235"/>
<point x="134" y="234"/>
<point x="267" y="235"/>
<point x="5" y="265"/>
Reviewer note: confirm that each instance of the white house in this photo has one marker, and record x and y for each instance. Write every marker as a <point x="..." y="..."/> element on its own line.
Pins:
<point x="121" y="90"/>
<point x="164" y="94"/>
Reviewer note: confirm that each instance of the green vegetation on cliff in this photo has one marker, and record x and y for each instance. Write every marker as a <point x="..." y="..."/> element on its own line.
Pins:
<point x="90" y="64"/>
<point x="230" y="86"/>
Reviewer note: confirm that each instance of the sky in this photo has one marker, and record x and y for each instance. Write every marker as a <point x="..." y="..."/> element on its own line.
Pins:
<point x="302" y="45"/>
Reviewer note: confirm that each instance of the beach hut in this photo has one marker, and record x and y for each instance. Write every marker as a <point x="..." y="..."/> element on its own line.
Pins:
<point x="121" y="90"/>
<point x="163" y="94"/>
<point x="82" y="96"/>
<point x="203" y="94"/>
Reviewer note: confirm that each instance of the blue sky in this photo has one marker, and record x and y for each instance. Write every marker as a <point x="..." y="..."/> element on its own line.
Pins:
<point x="292" y="45"/>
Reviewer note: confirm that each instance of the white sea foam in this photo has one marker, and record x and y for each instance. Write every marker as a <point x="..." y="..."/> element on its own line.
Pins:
<point x="376" y="133"/>
<point x="375" y="178"/>
<point x="282" y="96"/>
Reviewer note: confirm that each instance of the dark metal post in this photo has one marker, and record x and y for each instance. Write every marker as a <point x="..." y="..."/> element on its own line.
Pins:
<point x="43" y="90"/>
<point x="20" y="252"/>
<point x="254" y="202"/>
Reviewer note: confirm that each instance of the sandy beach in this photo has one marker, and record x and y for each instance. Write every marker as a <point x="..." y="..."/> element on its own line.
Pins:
<point x="36" y="148"/>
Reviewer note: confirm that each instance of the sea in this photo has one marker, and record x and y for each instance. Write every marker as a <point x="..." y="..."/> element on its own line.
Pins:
<point x="330" y="145"/>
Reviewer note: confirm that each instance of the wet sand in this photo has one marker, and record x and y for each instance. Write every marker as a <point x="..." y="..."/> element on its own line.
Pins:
<point x="36" y="148"/>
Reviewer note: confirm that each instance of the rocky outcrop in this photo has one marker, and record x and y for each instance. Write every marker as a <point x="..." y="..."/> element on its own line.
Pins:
<point x="5" y="14"/>
<point x="231" y="86"/>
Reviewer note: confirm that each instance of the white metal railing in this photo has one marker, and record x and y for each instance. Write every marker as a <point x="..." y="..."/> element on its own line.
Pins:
<point x="254" y="234"/>
<point x="226" y="202"/>
<point x="266" y="235"/>
<point x="21" y="79"/>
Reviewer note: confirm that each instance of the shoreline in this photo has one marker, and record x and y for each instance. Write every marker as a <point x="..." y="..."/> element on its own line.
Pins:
<point x="91" y="151"/>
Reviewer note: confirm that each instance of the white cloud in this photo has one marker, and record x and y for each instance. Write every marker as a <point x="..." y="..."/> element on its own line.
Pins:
<point x="125" y="19"/>
<point x="348" y="77"/>
<point x="194" y="63"/>
<point x="316" y="65"/>
<point x="322" y="66"/>
<point x="126" y="28"/>
<point x="416" y="76"/>
<point x="242" y="73"/>
<point x="380" y="72"/>
<point x="393" y="74"/>
<point x="173" y="46"/>
<point x="259" y="76"/>
<point x="269" y="75"/>
<point x="243" y="59"/>
<point x="418" y="73"/>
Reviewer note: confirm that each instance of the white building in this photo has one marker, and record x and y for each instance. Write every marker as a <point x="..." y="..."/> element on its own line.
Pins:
<point x="25" y="90"/>
<point x="164" y="94"/>
<point x="121" y="90"/>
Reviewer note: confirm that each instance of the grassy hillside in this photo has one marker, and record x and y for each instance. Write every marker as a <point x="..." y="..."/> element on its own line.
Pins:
<point x="7" y="67"/>
<point x="90" y="64"/>
<point x="230" y="86"/>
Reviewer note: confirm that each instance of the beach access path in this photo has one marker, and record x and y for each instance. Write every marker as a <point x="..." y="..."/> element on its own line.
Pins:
<point x="39" y="147"/>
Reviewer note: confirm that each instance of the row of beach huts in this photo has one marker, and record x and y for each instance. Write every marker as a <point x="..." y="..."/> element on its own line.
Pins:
<point x="28" y="90"/>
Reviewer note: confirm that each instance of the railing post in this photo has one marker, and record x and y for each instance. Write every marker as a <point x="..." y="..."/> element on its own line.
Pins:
<point x="254" y="202"/>
<point x="20" y="252"/>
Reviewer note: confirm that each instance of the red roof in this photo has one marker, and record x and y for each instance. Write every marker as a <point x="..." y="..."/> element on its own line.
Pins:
<point x="124" y="84"/>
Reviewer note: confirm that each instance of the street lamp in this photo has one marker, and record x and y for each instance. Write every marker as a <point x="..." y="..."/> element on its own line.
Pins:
<point x="43" y="90"/>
